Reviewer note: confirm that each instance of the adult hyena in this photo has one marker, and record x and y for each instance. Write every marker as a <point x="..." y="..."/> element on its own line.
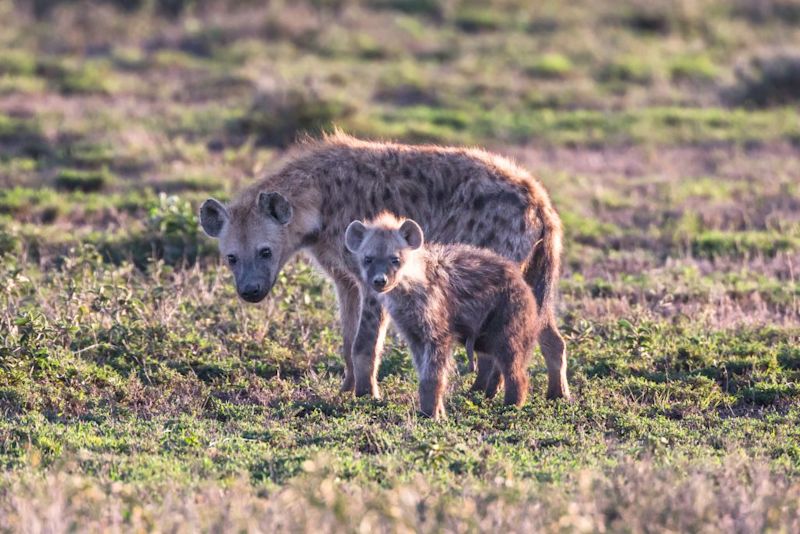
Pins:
<point x="438" y="295"/>
<point x="459" y="195"/>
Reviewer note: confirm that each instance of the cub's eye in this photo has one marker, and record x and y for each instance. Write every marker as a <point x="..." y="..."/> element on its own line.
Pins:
<point x="265" y="252"/>
<point x="395" y="260"/>
<point x="367" y="260"/>
<point x="231" y="259"/>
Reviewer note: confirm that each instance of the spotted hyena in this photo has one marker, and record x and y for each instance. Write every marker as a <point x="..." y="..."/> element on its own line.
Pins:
<point x="459" y="195"/>
<point x="438" y="295"/>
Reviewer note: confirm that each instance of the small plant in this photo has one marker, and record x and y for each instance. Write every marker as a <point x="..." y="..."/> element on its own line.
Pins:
<point x="172" y="229"/>
<point x="72" y="77"/>
<point x="17" y="62"/>
<point x="474" y="20"/>
<point x="767" y="80"/>
<point x="79" y="180"/>
<point x="693" y="68"/>
<point x="89" y="155"/>
<point x="552" y="66"/>
<point x="712" y="244"/>
<point x="9" y="241"/>
<point x="431" y="8"/>
<point x="627" y="70"/>
<point x="406" y="87"/>
<point x="279" y="117"/>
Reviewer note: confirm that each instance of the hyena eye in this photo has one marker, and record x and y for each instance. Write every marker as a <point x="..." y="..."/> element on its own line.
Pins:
<point x="395" y="261"/>
<point x="265" y="252"/>
<point x="231" y="259"/>
<point x="367" y="260"/>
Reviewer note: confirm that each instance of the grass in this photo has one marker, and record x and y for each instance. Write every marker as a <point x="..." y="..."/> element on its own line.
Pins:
<point x="138" y="393"/>
<point x="551" y="66"/>
<point x="77" y="180"/>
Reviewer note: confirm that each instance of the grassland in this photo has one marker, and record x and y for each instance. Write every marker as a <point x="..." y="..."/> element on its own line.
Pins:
<point x="137" y="392"/>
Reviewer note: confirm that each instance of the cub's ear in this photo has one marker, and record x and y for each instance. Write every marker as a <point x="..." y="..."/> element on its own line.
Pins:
<point x="213" y="217"/>
<point x="412" y="233"/>
<point x="276" y="206"/>
<point x="354" y="236"/>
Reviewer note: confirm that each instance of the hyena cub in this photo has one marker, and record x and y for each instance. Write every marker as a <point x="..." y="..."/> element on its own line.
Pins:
<point x="441" y="294"/>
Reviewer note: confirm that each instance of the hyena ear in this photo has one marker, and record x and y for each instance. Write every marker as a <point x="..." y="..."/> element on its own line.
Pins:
<point x="276" y="206"/>
<point x="412" y="233"/>
<point x="213" y="217"/>
<point x="354" y="236"/>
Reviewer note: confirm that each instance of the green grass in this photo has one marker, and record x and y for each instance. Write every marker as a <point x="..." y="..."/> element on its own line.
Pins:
<point x="86" y="181"/>
<point x="137" y="390"/>
<point x="551" y="66"/>
<point x="663" y="126"/>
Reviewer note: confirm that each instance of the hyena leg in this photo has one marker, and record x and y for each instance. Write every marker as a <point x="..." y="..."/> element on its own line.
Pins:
<point x="485" y="367"/>
<point x="489" y="378"/>
<point x="470" y="346"/>
<point x="516" y="379"/>
<point x="368" y="346"/>
<point x="494" y="382"/>
<point x="554" y="351"/>
<point x="432" y="366"/>
<point x="349" y="312"/>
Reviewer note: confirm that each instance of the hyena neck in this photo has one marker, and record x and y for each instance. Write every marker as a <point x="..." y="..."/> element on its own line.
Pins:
<point x="413" y="279"/>
<point x="298" y="184"/>
<point x="307" y="227"/>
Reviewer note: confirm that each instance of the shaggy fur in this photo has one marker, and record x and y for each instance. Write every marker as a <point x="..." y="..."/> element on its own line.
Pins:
<point x="438" y="295"/>
<point x="459" y="195"/>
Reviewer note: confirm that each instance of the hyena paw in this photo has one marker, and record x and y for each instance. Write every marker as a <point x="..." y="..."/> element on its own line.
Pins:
<point x="369" y="389"/>
<point x="558" y="390"/>
<point x="348" y="385"/>
<point x="434" y="410"/>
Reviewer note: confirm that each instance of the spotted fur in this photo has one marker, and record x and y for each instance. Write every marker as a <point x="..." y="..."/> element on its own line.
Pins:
<point x="438" y="295"/>
<point x="458" y="195"/>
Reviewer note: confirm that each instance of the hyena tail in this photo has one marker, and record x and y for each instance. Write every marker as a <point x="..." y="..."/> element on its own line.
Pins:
<point x="541" y="274"/>
<point x="544" y="266"/>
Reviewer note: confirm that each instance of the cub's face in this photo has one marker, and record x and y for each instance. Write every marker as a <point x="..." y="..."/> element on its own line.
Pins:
<point x="383" y="251"/>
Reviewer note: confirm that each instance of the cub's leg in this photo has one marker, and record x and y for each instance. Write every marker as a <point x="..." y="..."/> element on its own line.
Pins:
<point x="485" y="366"/>
<point x="494" y="383"/>
<point x="514" y="366"/>
<point x="368" y="345"/>
<point x="489" y="378"/>
<point x="432" y="363"/>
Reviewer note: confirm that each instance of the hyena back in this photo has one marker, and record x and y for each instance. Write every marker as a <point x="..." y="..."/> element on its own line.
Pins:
<point x="466" y="196"/>
<point x="438" y="295"/>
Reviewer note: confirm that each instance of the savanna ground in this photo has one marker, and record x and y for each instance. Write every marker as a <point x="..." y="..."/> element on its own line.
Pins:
<point x="137" y="392"/>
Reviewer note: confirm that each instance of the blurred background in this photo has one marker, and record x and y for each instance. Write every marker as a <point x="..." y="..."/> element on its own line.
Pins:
<point x="131" y="98"/>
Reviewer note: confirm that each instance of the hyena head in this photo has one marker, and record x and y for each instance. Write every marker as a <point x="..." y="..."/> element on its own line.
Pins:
<point x="386" y="249"/>
<point x="252" y="239"/>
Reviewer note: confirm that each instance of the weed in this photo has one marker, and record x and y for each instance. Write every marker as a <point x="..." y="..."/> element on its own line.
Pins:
<point x="278" y="118"/>
<point x="551" y="66"/>
<point x="693" y="68"/>
<point x="767" y="80"/>
<point x="86" y="181"/>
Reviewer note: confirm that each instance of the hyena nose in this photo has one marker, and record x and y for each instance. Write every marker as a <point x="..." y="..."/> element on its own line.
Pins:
<point x="250" y="292"/>
<point x="380" y="281"/>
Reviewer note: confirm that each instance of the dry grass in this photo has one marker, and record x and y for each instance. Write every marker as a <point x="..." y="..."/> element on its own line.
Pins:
<point x="731" y="495"/>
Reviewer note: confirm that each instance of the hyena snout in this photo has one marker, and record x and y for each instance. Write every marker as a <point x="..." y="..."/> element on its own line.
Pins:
<point x="253" y="292"/>
<point x="380" y="281"/>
